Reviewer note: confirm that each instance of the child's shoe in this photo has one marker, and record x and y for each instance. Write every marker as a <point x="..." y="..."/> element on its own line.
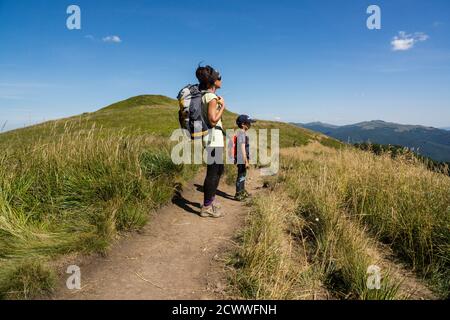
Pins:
<point x="240" y="196"/>
<point x="247" y="194"/>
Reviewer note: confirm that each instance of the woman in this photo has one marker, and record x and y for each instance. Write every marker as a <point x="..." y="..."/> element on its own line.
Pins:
<point x="213" y="107"/>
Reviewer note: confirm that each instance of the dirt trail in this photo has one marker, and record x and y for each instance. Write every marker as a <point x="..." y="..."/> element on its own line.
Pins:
<point x="178" y="255"/>
<point x="410" y="285"/>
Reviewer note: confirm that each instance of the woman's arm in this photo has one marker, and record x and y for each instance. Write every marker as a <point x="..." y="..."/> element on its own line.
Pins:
<point x="214" y="115"/>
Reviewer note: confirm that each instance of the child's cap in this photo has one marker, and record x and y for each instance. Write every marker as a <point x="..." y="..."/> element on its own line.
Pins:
<point x="243" y="118"/>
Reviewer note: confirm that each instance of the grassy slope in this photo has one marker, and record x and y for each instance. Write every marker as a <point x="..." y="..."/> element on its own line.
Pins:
<point x="334" y="208"/>
<point x="127" y="160"/>
<point x="72" y="185"/>
<point x="148" y="114"/>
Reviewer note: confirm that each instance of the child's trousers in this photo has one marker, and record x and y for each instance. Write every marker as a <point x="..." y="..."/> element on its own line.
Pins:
<point x="241" y="177"/>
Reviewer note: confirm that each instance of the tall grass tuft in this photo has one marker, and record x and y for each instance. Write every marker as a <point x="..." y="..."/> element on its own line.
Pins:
<point x="265" y="262"/>
<point x="398" y="201"/>
<point x="26" y="280"/>
<point x="78" y="192"/>
<point x="331" y="214"/>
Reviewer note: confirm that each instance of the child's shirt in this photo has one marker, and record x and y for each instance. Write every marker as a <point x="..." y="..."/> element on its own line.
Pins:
<point x="242" y="138"/>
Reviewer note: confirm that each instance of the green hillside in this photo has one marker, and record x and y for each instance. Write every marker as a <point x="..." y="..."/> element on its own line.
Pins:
<point x="331" y="214"/>
<point x="74" y="185"/>
<point x="147" y="114"/>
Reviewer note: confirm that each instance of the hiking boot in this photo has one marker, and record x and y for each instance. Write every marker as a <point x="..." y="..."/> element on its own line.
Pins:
<point x="247" y="194"/>
<point x="210" y="212"/>
<point x="241" y="196"/>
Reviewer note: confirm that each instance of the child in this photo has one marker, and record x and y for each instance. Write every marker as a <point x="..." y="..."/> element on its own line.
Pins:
<point x="242" y="153"/>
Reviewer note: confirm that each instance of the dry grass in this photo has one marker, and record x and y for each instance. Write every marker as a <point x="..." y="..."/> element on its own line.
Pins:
<point x="343" y="203"/>
<point x="76" y="194"/>
<point x="400" y="202"/>
<point x="268" y="263"/>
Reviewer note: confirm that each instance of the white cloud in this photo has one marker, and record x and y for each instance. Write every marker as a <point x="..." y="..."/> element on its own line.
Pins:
<point x="90" y="37"/>
<point x="112" y="39"/>
<point x="404" y="42"/>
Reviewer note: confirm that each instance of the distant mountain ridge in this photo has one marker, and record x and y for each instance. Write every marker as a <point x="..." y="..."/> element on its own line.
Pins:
<point x="427" y="141"/>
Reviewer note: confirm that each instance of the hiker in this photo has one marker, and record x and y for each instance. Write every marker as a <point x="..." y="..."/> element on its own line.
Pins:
<point x="213" y="107"/>
<point x="242" y="155"/>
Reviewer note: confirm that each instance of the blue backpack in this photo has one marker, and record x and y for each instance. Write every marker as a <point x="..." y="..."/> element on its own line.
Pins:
<point x="190" y="115"/>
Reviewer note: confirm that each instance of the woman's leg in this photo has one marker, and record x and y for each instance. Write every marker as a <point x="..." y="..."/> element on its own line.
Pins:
<point x="220" y="167"/>
<point x="214" y="172"/>
<point x="220" y="171"/>
<point x="210" y="185"/>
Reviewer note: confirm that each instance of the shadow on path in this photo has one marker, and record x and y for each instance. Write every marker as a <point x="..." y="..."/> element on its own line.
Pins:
<point x="218" y="192"/>
<point x="186" y="204"/>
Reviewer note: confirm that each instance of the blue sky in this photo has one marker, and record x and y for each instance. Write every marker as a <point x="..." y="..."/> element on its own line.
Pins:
<point x="302" y="61"/>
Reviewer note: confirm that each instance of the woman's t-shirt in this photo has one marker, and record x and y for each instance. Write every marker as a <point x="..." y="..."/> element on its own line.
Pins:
<point x="215" y="138"/>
